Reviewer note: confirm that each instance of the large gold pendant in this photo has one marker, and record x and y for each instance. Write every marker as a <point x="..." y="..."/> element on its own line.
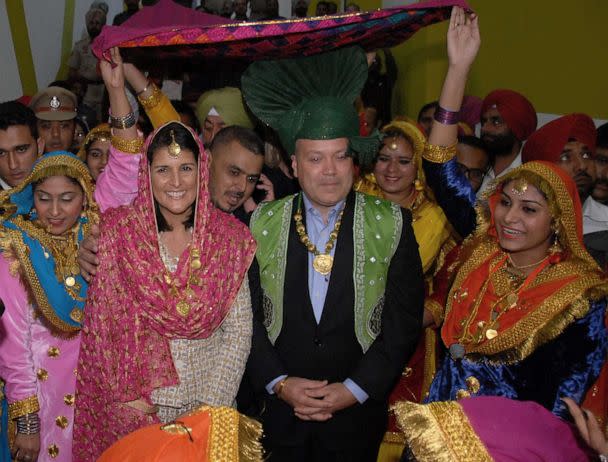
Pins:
<point x="323" y="263"/>
<point x="183" y="307"/>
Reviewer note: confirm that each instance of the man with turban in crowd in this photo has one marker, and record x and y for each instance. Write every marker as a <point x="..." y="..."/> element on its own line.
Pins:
<point x="83" y="63"/>
<point x="570" y="142"/>
<point x="223" y="107"/>
<point x="507" y="119"/>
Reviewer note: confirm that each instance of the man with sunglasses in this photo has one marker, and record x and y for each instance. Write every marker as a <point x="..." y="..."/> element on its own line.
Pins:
<point x="472" y="160"/>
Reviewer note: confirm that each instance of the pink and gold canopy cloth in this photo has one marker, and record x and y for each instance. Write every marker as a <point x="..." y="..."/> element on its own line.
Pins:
<point x="177" y="31"/>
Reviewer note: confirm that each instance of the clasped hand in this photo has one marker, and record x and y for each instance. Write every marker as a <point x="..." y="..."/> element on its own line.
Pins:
<point x="316" y="400"/>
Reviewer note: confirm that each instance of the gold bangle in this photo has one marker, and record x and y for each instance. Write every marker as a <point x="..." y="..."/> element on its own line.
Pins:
<point x="128" y="146"/>
<point x="281" y="386"/>
<point x="25" y="406"/>
<point x="150" y="102"/>
<point x="438" y="154"/>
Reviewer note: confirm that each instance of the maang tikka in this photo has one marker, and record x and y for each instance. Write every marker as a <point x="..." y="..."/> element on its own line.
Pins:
<point x="174" y="148"/>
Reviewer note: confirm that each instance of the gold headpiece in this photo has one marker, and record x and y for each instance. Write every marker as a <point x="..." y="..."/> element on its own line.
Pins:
<point x="520" y="186"/>
<point x="174" y="148"/>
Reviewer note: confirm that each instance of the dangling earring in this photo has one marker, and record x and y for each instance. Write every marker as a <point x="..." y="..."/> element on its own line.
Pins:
<point x="556" y="247"/>
<point x="418" y="185"/>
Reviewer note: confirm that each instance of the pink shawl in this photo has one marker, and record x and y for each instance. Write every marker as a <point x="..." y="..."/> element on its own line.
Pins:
<point x="131" y="310"/>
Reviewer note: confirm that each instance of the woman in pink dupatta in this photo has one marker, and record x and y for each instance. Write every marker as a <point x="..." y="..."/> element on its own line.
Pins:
<point x="168" y="326"/>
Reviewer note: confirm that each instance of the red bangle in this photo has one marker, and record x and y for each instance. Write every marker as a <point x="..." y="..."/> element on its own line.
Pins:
<point x="445" y="117"/>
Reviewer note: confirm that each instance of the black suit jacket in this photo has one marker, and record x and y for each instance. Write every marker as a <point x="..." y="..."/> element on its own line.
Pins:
<point x="330" y="350"/>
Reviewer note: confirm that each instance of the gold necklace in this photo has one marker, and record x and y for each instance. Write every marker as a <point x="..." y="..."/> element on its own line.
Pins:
<point x="531" y="265"/>
<point x="185" y="299"/>
<point x="323" y="262"/>
<point x="64" y="250"/>
<point x="505" y="302"/>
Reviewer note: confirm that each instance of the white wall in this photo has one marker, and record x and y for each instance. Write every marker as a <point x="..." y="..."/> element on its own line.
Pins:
<point x="45" y="28"/>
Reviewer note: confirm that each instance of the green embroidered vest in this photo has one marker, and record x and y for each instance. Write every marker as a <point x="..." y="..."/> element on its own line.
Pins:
<point x="377" y="226"/>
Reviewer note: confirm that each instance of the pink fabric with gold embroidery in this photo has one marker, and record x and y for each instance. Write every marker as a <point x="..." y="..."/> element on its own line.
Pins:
<point x="131" y="309"/>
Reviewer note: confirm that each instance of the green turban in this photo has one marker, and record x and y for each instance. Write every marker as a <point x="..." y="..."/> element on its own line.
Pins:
<point x="312" y="98"/>
<point x="228" y="102"/>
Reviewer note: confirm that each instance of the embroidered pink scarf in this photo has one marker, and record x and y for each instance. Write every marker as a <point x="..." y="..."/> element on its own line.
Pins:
<point x="131" y="308"/>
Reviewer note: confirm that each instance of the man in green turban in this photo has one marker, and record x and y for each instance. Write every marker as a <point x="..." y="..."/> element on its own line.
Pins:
<point x="223" y="107"/>
<point x="341" y="279"/>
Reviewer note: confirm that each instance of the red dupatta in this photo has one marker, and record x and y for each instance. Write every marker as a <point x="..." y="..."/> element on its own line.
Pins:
<point x="552" y="298"/>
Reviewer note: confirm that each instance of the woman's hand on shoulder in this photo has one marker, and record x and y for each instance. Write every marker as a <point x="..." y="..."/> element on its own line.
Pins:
<point x="87" y="254"/>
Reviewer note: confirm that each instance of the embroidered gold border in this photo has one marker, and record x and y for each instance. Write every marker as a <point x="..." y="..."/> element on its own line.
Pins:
<point x="128" y="146"/>
<point x="250" y="436"/>
<point x="42" y="302"/>
<point x="436" y="310"/>
<point x="430" y="360"/>
<point x="22" y="407"/>
<point x="439" y="432"/>
<point x="438" y="154"/>
<point x="394" y="438"/>
<point x="548" y="320"/>
<point x="559" y="310"/>
<point x="153" y="99"/>
<point x="233" y="437"/>
<point x="223" y="440"/>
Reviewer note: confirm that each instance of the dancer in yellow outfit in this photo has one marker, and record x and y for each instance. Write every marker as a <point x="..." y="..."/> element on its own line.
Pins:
<point x="398" y="176"/>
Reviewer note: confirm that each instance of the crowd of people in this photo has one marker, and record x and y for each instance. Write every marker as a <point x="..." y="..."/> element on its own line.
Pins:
<point x="367" y="289"/>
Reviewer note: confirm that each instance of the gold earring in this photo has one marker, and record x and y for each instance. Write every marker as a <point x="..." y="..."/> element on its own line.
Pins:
<point x="418" y="185"/>
<point x="556" y="246"/>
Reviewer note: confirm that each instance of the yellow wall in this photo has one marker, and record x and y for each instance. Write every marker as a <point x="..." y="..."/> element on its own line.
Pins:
<point x="554" y="55"/>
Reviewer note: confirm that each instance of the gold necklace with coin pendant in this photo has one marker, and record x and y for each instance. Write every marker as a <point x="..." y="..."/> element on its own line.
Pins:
<point x="322" y="262"/>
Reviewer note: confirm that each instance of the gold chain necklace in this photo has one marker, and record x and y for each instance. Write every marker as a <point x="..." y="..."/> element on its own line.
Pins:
<point x="517" y="270"/>
<point x="64" y="250"/>
<point x="505" y="302"/>
<point x="323" y="262"/>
